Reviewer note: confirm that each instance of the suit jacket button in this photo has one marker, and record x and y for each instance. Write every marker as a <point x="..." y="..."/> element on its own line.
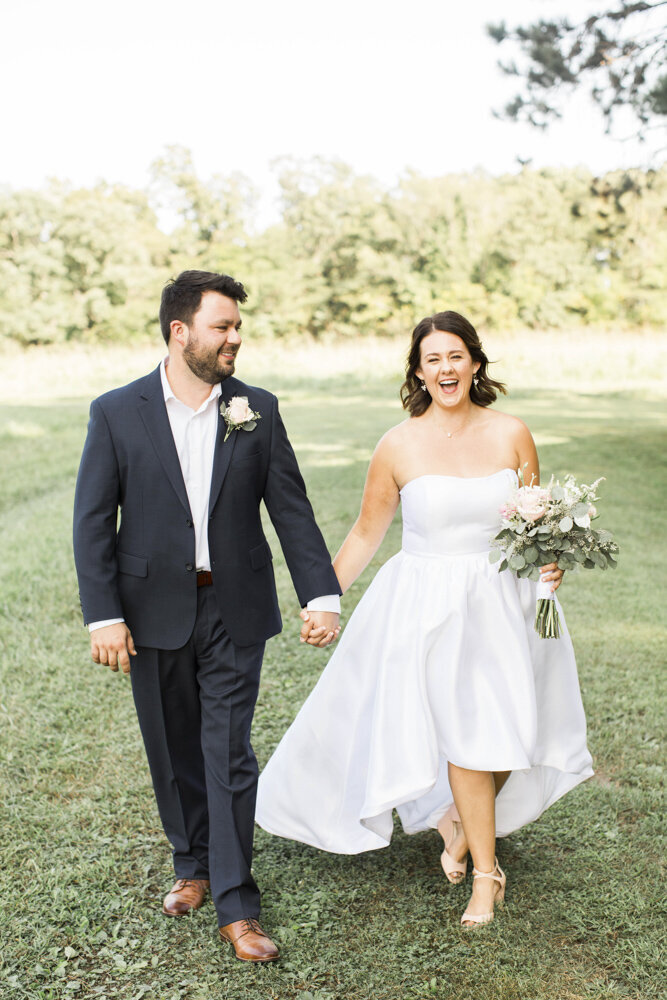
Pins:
<point x="189" y="523"/>
<point x="189" y="567"/>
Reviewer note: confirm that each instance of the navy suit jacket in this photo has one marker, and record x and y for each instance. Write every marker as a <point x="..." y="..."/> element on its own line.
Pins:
<point x="142" y="568"/>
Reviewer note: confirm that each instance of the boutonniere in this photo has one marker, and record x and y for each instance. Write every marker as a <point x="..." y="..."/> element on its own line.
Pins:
<point x="238" y="416"/>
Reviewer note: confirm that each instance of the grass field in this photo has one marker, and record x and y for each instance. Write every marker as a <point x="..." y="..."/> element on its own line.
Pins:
<point x="85" y="862"/>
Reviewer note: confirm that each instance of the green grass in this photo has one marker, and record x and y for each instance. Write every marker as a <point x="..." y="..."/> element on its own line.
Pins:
<point x="85" y="862"/>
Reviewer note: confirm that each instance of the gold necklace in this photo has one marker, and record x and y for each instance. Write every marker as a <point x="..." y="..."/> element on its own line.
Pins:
<point x="458" y="431"/>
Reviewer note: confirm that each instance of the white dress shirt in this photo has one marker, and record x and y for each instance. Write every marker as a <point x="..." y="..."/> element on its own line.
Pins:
<point x="194" y="433"/>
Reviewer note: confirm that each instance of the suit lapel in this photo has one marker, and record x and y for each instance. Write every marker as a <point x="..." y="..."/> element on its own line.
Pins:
<point x="223" y="449"/>
<point x="153" y="412"/>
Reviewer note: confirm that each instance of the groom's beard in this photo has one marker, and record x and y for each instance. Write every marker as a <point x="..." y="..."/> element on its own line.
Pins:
<point x="207" y="363"/>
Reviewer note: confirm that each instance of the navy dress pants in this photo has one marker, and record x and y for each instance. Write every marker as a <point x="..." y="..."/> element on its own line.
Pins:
<point x="195" y="707"/>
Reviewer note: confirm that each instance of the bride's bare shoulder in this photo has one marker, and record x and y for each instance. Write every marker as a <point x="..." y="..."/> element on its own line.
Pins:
<point x="506" y="424"/>
<point x="392" y="445"/>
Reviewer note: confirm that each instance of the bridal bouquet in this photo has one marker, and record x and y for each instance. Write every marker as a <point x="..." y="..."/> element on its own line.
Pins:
<point x="545" y="524"/>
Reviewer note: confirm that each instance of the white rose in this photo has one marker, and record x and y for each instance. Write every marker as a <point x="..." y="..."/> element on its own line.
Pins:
<point x="238" y="410"/>
<point x="531" y="502"/>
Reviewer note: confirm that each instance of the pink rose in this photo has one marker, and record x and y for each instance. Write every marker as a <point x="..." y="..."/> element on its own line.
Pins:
<point x="238" y="410"/>
<point x="592" y="510"/>
<point x="531" y="502"/>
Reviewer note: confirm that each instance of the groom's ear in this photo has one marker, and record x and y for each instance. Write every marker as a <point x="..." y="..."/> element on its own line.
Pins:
<point x="178" y="332"/>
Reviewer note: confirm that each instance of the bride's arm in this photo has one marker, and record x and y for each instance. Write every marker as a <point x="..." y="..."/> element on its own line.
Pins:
<point x="378" y="506"/>
<point x="526" y="453"/>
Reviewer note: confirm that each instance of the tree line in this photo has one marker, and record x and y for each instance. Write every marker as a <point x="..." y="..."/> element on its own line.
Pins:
<point x="549" y="248"/>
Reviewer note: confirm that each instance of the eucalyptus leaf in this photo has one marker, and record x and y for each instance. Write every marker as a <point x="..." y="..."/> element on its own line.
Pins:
<point x="495" y="555"/>
<point x="502" y="566"/>
<point x="565" y="524"/>
<point x="517" y="561"/>
<point x="530" y="554"/>
<point x="581" y="510"/>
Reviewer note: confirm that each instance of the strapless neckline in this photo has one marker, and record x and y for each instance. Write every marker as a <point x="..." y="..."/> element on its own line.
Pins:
<point x="463" y="479"/>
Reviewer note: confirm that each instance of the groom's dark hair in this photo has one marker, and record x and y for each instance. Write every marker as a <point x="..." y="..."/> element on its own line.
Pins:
<point x="181" y="296"/>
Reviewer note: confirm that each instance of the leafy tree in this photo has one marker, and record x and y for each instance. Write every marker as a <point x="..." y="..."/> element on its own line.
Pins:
<point x="621" y="52"/>
<point x="78" y="264"/>
<point x="342" y="244"/>
<point x="213" y="217"/>
<point x="349" y="257"/>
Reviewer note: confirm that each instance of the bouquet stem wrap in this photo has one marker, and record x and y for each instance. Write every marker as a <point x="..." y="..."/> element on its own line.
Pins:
<point x="547" y="623"/>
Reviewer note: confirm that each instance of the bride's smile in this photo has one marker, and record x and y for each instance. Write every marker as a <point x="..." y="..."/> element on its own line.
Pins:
<point x="447" y="369"/>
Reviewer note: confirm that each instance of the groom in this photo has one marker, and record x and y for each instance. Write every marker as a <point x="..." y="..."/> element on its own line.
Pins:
<point x="183" y="583"/>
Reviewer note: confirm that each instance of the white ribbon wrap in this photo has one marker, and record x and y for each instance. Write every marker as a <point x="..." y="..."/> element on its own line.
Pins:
<point x="544" y="591"/>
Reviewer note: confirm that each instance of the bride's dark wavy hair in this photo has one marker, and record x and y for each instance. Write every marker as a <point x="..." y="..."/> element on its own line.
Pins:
<point x="414" y="399"/>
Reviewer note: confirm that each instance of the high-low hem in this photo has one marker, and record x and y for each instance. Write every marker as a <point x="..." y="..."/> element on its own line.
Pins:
<point x="439" y="662"/>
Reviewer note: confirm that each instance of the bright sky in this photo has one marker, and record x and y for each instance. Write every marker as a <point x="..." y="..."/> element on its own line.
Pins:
<point x="95" y="90"/>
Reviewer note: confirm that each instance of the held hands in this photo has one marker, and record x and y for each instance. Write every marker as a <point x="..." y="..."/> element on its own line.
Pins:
<point x="113" y="646"/>
<point x="551" y="574"/>
<point x="320" y="628"/>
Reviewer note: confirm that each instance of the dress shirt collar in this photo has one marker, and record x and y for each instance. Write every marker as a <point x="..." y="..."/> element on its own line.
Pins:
<point x="168" y="392"/>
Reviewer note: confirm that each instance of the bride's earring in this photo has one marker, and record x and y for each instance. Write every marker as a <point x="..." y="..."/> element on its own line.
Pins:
<point x="423" y="387"/>
<point x="475" y="381"/>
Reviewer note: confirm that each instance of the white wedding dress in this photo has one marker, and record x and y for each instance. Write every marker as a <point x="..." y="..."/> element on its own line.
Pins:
<point x="438" y="663"/>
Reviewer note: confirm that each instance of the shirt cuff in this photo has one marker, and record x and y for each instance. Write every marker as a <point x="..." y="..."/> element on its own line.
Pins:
<point x="330" y="603"/>
<point x="108" y="621"/>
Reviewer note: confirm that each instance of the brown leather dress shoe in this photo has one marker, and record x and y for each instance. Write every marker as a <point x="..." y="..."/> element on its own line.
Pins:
<point x="250" y="942"/>
<point x="186" y="894"/>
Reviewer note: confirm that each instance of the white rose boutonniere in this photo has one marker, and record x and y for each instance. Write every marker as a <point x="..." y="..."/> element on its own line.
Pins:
<point x="238" y="416"/>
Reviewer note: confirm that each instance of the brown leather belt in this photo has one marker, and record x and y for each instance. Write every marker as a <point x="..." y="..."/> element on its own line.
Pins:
<point x="204" y="578"/>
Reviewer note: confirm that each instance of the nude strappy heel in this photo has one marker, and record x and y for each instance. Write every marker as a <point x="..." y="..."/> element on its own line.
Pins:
<point x="454" y="870"/>
<point x="498" y="875"/>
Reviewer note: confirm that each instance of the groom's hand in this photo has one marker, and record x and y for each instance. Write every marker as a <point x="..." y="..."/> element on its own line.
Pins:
<point x="320" y="628"/>
<point x="113" y="646"/>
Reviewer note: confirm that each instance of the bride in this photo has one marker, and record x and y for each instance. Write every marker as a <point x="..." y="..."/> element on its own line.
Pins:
<point x="441" y="701"/>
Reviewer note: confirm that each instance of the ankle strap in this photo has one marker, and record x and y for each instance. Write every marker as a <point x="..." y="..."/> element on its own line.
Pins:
<point x="496" y="874"/>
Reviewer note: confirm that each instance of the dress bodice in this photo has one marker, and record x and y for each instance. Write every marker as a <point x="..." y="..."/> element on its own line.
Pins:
<point x="446" y="515"/>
